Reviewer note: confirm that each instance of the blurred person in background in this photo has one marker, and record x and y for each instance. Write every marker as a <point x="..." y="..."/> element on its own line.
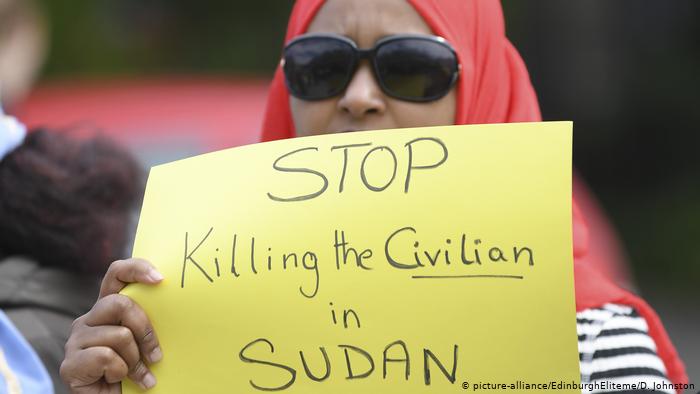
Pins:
<point x="65" y="207"/>
<point x="470" y="74"/>
<point x="23" y="47"/>
<point x="66" y="211"/>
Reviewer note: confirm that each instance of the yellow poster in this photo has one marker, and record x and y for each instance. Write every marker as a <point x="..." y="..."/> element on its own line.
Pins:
<point x="425" y="260"/>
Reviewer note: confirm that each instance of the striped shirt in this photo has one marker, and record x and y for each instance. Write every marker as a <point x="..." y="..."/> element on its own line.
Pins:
<point x="615" y="348"/>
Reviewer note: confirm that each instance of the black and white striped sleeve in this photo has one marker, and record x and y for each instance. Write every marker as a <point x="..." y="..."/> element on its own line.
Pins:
<point x="615" y="347"/>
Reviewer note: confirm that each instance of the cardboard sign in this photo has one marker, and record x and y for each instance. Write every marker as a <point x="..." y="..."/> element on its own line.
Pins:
<point x="425" y="260"/>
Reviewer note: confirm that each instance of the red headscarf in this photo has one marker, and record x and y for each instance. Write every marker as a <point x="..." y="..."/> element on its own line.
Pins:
<point x="494" y="87"/>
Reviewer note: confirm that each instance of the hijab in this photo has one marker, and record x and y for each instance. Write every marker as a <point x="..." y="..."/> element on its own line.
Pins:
<point x="493" y="87"/>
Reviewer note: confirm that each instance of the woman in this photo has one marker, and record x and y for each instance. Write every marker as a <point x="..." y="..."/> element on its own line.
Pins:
<point x="414" y="80"/>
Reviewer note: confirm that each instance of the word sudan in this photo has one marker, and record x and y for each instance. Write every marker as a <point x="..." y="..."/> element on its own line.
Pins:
<point x="359" y="364"/>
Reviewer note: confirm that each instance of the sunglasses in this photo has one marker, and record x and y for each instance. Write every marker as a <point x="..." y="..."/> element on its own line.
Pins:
<point x="416" y="68"/>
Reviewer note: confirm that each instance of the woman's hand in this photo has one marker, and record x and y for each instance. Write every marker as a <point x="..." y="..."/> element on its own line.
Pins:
<point x="115" y="339"/>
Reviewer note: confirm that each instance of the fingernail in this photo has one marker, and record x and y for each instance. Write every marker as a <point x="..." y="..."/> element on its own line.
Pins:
<point x="154" y="275"/>
<point x="148" y="381"/>
<point x="156" y="355"/>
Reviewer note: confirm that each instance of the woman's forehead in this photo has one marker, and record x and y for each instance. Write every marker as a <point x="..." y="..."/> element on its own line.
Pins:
<point x="366" y="21"/>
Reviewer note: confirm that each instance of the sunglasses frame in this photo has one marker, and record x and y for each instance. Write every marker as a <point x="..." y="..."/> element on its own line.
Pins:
<point x="371" y="55"/>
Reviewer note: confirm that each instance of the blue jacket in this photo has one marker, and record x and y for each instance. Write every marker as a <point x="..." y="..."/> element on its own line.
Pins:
<point x="19" y="365"/>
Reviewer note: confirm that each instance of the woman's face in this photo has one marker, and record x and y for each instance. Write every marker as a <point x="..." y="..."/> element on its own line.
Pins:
<point x="363" y="105"/>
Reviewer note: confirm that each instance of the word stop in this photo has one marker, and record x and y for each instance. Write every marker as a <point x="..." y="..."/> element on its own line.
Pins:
<point x="385" y="154"/>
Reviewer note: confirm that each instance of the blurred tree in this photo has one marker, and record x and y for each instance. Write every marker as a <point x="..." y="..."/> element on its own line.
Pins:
<point x="627" y="73"/>
<point x="107" y="37"/>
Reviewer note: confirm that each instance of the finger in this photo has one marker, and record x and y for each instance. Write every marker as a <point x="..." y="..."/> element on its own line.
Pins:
<point x="121" y="340"/>
<point x="118" y="338"/>
<point x="88" y="367"/>
<point x="122" y="272"/>
<point x="96" y="368"/>
<point x="117" y="309"/>
<point x="102" y="388"/>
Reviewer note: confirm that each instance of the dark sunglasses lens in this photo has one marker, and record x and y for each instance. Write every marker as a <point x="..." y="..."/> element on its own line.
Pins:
<point x="416" y="69"/>
<point x="318" y="68"/>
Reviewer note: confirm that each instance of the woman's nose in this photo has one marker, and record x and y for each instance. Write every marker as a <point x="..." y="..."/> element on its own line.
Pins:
<point x="363" y="96"/>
